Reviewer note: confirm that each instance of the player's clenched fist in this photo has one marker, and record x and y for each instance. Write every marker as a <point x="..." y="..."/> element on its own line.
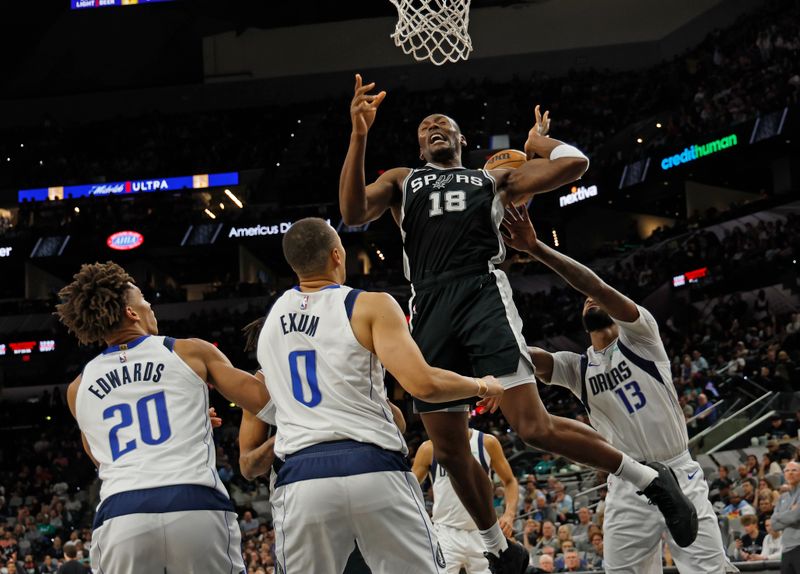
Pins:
<point x="364" y="106"/>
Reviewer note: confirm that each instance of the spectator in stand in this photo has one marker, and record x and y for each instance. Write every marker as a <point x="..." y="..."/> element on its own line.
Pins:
<point x="738" y="506"/>
<point x="565" y="537"/>
<point x="248" y="524"/>
<point x="71" y="564"/>
<point x="771" y="549"/>
<point x="546" y="564"/>
<point x="580" y="533"/>
<point x="720" y="486"/>
<point x="751" y="542"/>
<point x="562" y="503"/>
<point x="769" y="466"/>
<point x="787" y="518"/>
<point x="749" y="492"/>
<point x="778" y="428"/>
<point x="48" y="565"/>
<point x="699" y="362"/>
<point x="594" y="558"/>
<point x="743" y="475"/>
<point x="705" y="412"/>
<point x="572" y="562"/>
<point x="548" y="538"/>
<point x="765" y="508"/>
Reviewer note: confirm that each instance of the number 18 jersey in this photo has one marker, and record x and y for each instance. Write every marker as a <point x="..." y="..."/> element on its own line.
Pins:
<point x="325" y="385"/>
<point x="450" y="220"/>
<point x="144" y="413"/>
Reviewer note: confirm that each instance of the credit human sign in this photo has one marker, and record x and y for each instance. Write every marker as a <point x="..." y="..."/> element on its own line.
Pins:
<point x="694" y="152"/>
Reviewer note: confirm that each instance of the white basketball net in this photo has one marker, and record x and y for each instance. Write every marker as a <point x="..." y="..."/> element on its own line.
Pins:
<point x="434" y="30"/>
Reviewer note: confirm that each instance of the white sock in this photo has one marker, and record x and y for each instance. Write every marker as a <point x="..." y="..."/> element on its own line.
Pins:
<point x="635" y="472"/>
<point x="494" y="539"/>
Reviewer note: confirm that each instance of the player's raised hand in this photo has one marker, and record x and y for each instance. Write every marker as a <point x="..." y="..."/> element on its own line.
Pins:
<point x="518" y="231"/>
<point x="364" y="106"/>
<point x="540" y="129"/>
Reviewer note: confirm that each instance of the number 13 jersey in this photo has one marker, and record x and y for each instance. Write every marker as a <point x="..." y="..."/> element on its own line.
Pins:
<point x="325" y="385"/>
<point x="628" y="392"/>
<point x="450" y="220"/>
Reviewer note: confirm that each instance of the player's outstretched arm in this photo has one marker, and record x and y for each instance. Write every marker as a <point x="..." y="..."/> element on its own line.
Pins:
<point x="556" y="164"/>
<point x="72" y="394"/>
<point x="520" y="234"/>
<point x="423" y="461"/>
<point x="213" y="366"/>
<point x="380" y="326"/>
<point x="359" y="202"/>
<point x="503" y="470"/>
<point x="256" y="451"/>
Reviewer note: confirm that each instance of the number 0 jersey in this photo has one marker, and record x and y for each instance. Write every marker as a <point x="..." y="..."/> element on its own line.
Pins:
<point x="325" y="385"/>
<point x="450" y="220"/>
<point x="628" y="392"/>
<point x="144" y="413"/>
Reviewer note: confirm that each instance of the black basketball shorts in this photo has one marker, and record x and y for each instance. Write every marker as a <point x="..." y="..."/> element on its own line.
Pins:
<point x="469" y="325"/>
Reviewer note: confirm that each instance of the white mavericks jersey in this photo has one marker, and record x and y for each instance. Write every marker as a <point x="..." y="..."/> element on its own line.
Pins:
<point x="144" y="413"/>
<point x="448" y="510"/>
<point x="628" y="392"/>
<point x="325" y="385"/>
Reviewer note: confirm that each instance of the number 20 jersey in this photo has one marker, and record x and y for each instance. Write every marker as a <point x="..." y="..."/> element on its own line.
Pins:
<point x="325" y="385"/>
<point x="144" y="413"/>
<point x="627" y="391"/>
<point x="450" y="220"/>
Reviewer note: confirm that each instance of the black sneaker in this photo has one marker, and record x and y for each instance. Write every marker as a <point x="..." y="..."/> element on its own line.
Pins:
<point x="678" y="510"/>
<point x="512" y="560"/>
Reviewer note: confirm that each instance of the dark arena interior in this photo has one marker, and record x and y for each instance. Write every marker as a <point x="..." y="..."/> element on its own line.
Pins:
<point x="183" y="139"/>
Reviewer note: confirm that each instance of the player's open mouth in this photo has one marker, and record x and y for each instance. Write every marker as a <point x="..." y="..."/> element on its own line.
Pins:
<point x="437" y="138"/>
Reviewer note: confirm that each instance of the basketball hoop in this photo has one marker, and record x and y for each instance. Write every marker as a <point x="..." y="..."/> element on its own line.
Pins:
<point x="434" y="30"/>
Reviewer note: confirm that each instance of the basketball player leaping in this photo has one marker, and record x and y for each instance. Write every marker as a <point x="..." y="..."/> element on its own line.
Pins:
<point x="142" y="408"/>
<point x="455" y="529"/>
<point x="624" y="380"/>
<point x="462" y="314"/>
<point x="344" y="478"/>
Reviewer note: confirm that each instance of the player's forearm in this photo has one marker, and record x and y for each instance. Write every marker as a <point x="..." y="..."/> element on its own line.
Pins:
<point x="256" y="462"/>
<point x="511" y="488"/>
<point x="580" y="277"/>
<point x="352" y="183"/>
<point x="541" y="146"/>
<point x="241" y="388"/>
<point x="439" y="386"/>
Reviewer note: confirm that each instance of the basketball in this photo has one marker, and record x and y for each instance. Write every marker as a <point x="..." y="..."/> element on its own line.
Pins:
<point x="506" y="159"/>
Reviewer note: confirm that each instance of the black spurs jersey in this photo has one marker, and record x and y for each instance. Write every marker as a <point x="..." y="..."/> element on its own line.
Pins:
<point x="450" y="220"/>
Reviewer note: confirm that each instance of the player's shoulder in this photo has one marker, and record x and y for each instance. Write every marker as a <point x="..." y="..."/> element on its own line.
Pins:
<point x="396" y="175"/>
<point x="376" y="300"/>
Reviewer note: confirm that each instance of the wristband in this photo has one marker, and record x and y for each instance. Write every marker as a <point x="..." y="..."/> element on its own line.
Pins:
<point x="483" y="388"/>
<point x="566" y="150"/>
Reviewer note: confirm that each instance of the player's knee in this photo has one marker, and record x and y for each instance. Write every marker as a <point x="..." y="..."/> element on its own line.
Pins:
<point x="537" y="433"/>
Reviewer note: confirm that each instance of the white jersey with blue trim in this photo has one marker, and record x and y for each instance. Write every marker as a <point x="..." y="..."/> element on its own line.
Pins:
<point x="144" y="413"/>
<point x="325" y="385"/>
<point x="628" y="392"/>
<point x="448" y="509"/>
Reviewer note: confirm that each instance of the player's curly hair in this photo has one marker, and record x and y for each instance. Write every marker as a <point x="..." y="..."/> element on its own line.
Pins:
<point x="93" y="305"/>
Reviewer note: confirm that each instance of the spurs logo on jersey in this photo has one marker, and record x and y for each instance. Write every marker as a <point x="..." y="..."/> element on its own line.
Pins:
<point x="628" y="392"/>
<point x="450" y="219"/>
<point x="447" y="508"/>
<point x="322" y="395"/>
